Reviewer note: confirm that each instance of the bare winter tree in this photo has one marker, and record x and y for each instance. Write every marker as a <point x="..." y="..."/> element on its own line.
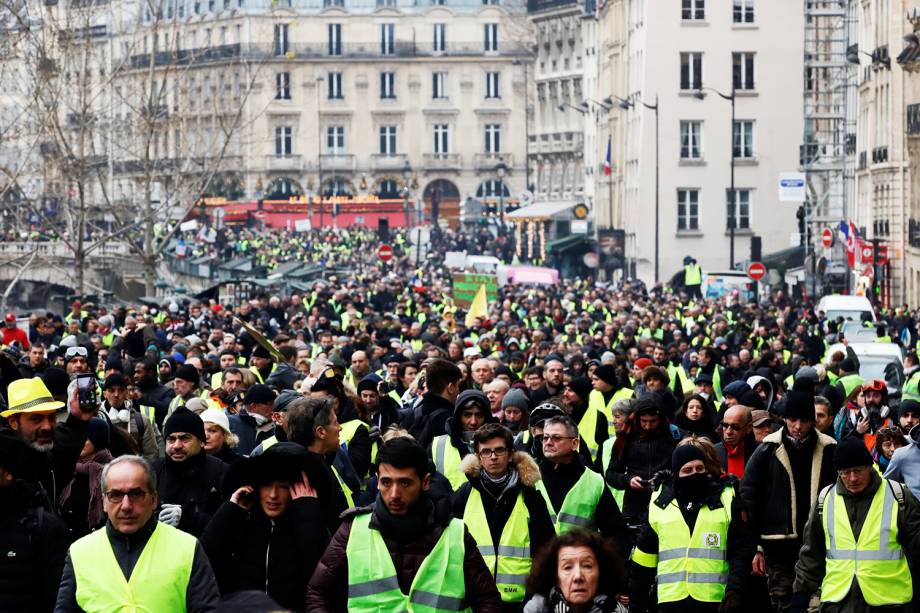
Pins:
<point x="134" y="124"/>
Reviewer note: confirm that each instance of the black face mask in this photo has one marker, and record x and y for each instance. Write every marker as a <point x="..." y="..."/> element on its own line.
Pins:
<point x="514" y="426"/>
<point x="693" y="487"/>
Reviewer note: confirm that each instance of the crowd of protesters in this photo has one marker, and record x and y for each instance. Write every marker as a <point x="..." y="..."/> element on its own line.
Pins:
<point x="367" y="446"/>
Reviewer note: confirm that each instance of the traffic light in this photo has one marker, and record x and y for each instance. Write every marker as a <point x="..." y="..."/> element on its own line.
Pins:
<point x="800" y="215"/>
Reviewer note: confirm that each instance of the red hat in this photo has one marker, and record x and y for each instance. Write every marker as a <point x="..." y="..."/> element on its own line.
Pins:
<point x="10" y="317"/>
<point x="642" y="363"/>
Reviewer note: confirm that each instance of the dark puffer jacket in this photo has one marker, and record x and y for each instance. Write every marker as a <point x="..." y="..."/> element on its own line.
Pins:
<point x="33" y="545"/>
<point x="249" y="551"/>
<point x="195" y="485"/>
<point x="328" y="590"/>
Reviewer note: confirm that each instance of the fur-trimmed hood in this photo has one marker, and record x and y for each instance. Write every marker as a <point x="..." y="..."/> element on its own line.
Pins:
<point x="526" y="466"/>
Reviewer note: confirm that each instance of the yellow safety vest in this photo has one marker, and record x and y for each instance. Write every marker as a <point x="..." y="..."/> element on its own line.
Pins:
<point x="876" y="559"/>
<point x="689" y="566"/>
<point x="258" y="375"/>
<point x="158" y="582"/>
<point x="447" y="460"/>
<point x="606" y="457"/>
<point x="509" y="559"/>
<point x="349" y="498"/>
<point x="579" y="505"/>
<point x="693" y="274"/>
<point x="372" y="584"/>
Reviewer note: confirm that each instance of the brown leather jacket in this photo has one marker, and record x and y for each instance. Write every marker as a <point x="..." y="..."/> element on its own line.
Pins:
<point x="328" y="590"/>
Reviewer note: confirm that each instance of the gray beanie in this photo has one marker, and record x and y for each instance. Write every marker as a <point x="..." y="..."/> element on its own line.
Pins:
<point x="516" y="398"/>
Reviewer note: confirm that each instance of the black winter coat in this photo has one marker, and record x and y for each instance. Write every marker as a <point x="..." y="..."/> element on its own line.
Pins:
<point x="641" y="458"/>
<point x="248" y="551"/>
<point x="33" y="545"/>
<point x="771" y="501"/>
<point x="431" y="418"/>
<point x="195" y="485"/>
<point x="52" y="470"/>
<point x="157" y="396"/>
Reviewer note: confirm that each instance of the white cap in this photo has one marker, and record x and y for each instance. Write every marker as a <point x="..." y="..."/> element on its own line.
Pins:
<point x="216" y="416"/>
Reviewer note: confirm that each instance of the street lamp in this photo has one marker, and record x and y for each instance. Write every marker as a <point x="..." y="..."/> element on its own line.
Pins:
<point x="627" y="104"/>
<point x="580" y="109"/>
<point x="501" y="169"/>
<point x="853" y="55"/>
<point x="701" y="95"/>
<point x="407" y="174"/>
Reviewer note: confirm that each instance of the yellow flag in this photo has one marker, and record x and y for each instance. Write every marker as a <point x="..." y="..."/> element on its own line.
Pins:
<point x="478" y="308"/>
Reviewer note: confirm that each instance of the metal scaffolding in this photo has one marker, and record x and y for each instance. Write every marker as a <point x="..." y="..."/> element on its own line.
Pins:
<point x="828" y="153"/>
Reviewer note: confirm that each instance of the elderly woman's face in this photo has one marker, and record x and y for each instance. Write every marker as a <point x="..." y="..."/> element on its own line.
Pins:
<point x="214" y="437"/>
<point x="578" y="574"/>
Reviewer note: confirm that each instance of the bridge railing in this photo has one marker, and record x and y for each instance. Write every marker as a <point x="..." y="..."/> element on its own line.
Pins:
<point x="61" y="250"/>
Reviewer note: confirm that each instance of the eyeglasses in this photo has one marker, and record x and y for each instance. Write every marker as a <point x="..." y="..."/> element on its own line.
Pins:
<point x="734" y="427"/>
<point x="498" y="452"/>
<point x="116" y="496"/>
<point x="555" y="438"/>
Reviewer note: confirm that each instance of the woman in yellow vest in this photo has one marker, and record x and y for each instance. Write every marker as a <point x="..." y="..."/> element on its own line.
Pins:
<point x="695" y="545"/>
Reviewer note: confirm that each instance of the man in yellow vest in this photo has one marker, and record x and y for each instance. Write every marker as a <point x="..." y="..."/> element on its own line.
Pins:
<point x="502" y="509"/>
<point x="693" y="277"/>
<point x="575" y="495"/>
<point x="105" y="572"/>
<point x="404" y="553"/>
<point x="471" y="411"/>
<point x="861" y="534"/>
<point x="695" y="543"/>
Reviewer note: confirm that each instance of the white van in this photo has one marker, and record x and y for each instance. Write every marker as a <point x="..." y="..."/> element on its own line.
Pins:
<point x="848" y="307"/>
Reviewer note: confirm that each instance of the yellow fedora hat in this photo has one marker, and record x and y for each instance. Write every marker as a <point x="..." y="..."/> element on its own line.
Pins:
<point x="29" y="396"/>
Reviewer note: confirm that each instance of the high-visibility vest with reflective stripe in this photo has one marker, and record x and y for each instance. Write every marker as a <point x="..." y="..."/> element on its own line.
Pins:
<point x="158" y="582"/>
<point x="372" y="584"/>
<point x="689" y="566"/>
<point x="349" y="428"/>
<point x="447" y="460"/>
<point x="508" y="560"/>
<point x="148" y="411"/>
<point x="255" y="372"/>
<point x="606" y="457"/>
<point x="693" y="274"/>
<point x="349" y="498"/>
<point x="587" y="427"/>
<point x="876" y="559"/>
<point x="579" y="505"/>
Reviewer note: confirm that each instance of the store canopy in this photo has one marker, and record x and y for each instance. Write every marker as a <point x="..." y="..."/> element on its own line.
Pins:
<point x="543" y="211"/>
<point x="564" y="243"/>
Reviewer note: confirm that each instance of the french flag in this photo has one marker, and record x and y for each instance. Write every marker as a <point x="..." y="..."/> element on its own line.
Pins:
<point x="850" y="236"/>
<point x="608" y="166"/>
